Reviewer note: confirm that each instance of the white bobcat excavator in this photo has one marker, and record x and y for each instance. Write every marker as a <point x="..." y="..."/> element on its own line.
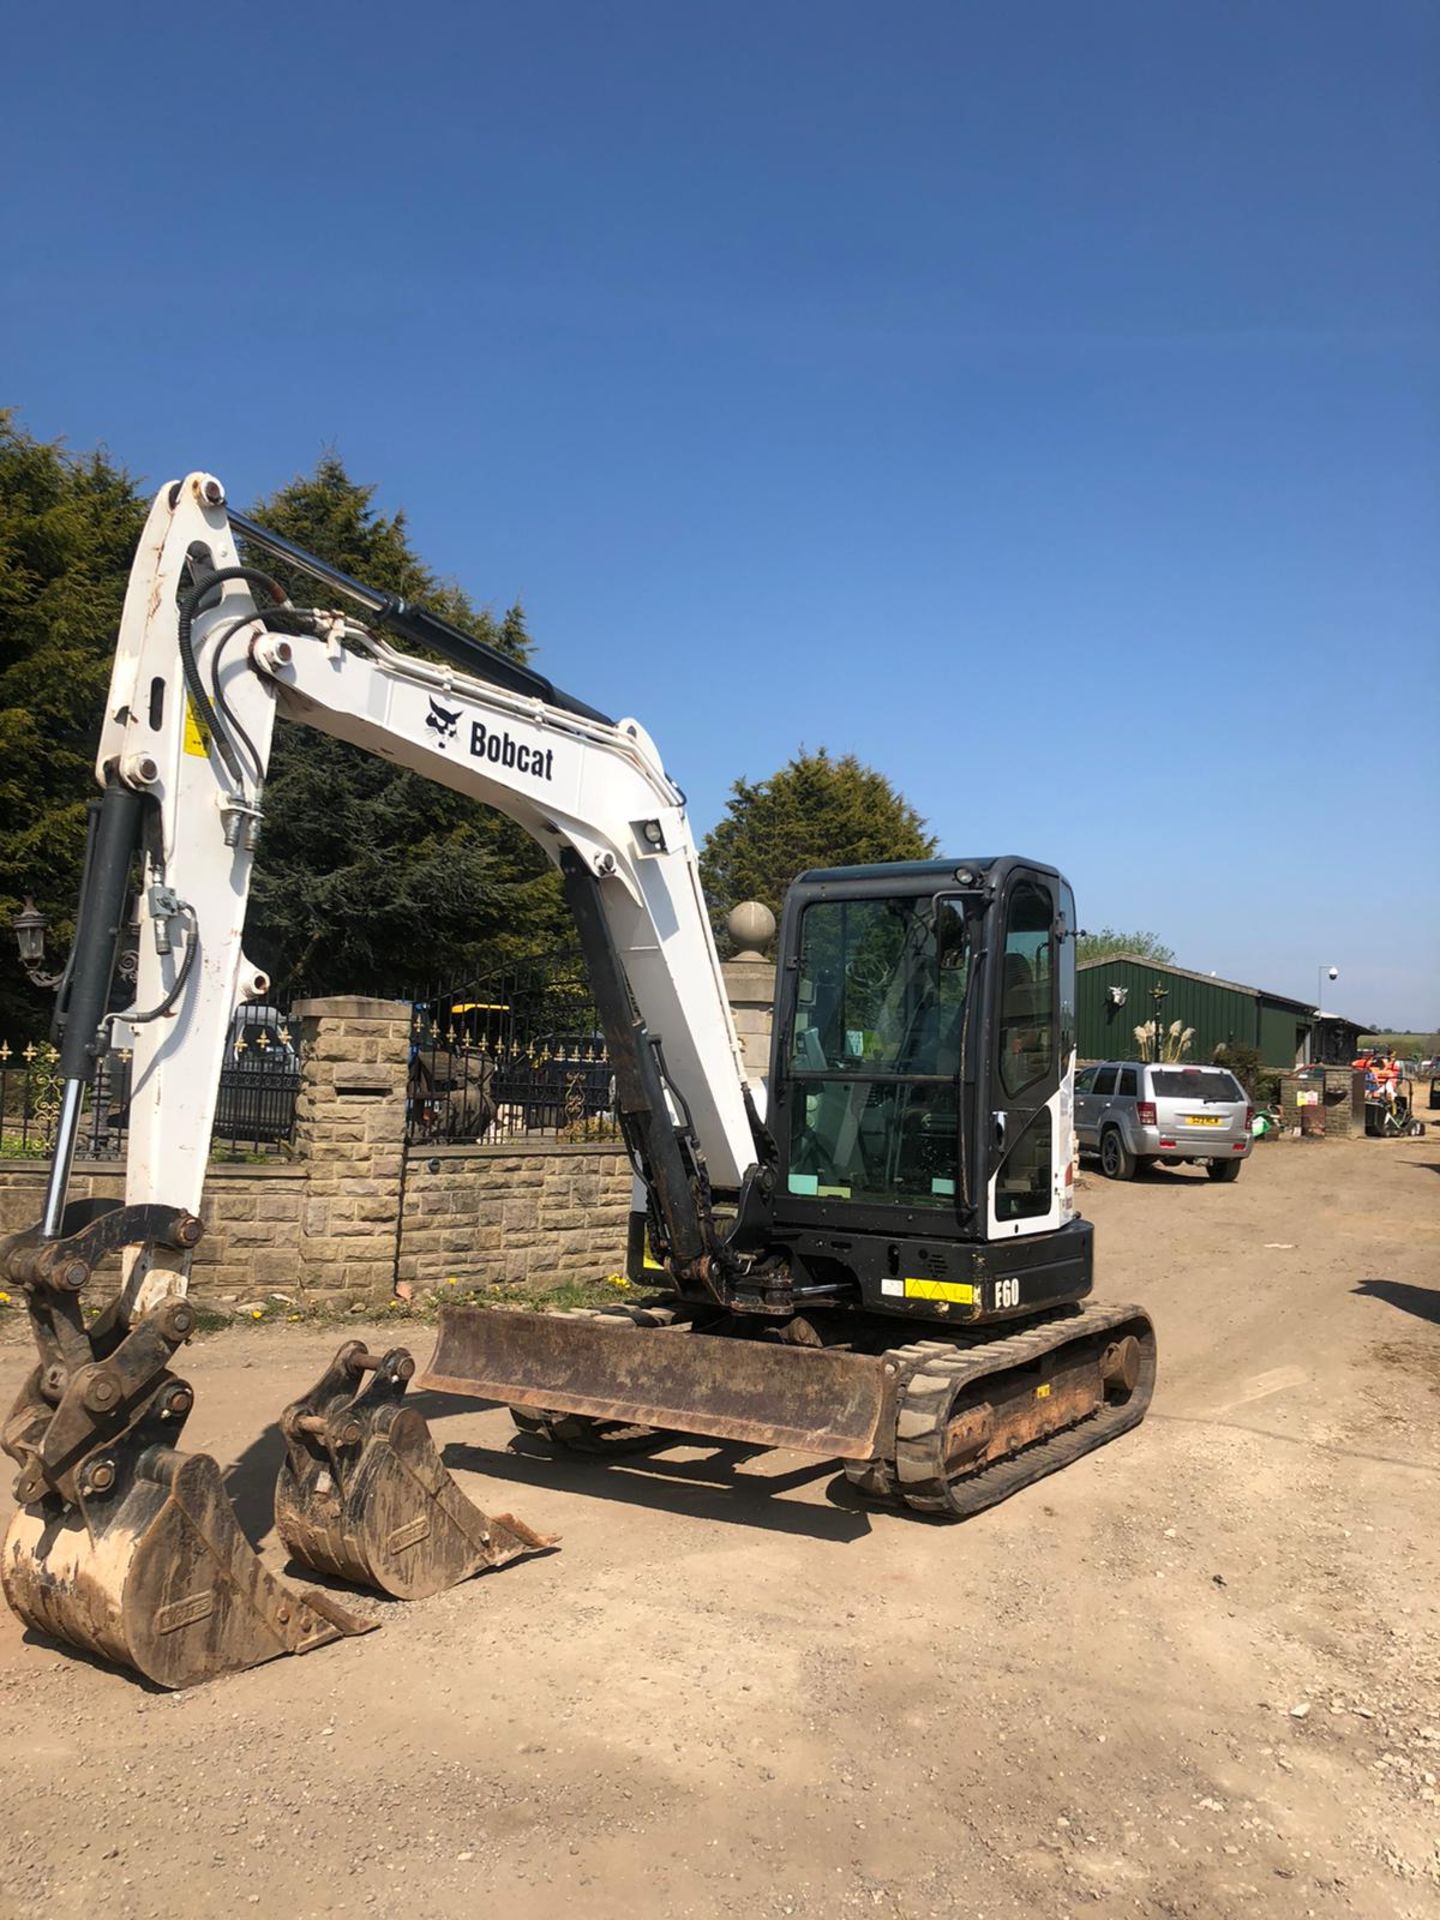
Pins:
<point x="883" y="1267"/>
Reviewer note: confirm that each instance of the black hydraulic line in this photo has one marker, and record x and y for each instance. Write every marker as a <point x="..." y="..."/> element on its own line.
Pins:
<point x="237" y="730"/>
<point x="204" y="710"/>
<point x="639" y="1086"/>
<point x="192" y="949"/>
<point x="419" y="626"/>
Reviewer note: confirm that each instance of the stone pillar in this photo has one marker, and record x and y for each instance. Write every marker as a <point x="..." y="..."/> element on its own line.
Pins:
<point x="350" y="1128"/>
<point x="750" y="983"/>
<point x="1338" y="1110"/>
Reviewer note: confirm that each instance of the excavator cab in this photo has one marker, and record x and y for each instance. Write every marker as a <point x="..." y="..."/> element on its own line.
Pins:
<point x="921" y="1063"/>
<point x="918" y="1099"/>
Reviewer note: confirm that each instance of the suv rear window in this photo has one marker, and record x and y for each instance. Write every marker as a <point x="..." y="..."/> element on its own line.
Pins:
<point x="1210" y="1084"/>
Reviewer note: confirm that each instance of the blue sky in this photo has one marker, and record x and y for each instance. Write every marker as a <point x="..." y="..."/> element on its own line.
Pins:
<point x="1038" y="399"/>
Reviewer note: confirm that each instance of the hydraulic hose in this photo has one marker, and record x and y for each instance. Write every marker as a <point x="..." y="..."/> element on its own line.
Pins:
<point x="205" y="710"/>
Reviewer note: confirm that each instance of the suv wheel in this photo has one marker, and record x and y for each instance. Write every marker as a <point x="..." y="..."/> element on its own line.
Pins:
<point x="1116" y="1160"/>
<point x="1224" y="1169"/>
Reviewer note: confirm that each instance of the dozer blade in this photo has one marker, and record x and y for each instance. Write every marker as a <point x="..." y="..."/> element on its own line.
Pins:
<point x="151" y="1570"/>
<point x="608" y="1367"/>
<point x="363" y="1494"/>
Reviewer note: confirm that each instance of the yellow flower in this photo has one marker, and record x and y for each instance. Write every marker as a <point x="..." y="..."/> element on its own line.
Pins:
<point x="292" y="1316"/>
<point x="452" y="1283"/>
<point x="4" y="1299"/>
<point x="257" y="1313"/>
<point x="616" y="1280"/>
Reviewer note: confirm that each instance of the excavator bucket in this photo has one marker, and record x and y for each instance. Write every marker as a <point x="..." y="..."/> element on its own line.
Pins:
<point x="364" y="1496"/>
<point x="150" y="1569"/>
<point x="121" y="1545"/>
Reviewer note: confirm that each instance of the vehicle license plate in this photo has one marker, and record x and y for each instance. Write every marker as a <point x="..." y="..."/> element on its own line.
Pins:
<point x="1204" y="1120"/>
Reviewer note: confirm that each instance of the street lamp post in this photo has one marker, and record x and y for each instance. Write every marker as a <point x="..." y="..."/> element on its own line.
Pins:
<point x="29" y="928"/>
<point x="1159" y="995"/>
<point x="1322" y="973"/>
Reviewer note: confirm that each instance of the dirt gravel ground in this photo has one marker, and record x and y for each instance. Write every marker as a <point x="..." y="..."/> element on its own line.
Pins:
<point x="1197" y="1674"/>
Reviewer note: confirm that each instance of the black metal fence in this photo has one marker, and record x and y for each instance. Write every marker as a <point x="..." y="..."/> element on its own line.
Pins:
<point x="518" y="1055"/>
<point x="254" y="1113"/>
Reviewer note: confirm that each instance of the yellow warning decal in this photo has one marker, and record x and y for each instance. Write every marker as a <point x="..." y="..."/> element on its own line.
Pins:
<point x="957" y="1290"/>
<point x="197" y="734"/>
<point x="650" y="1262"/>
<point x="1043" y="1393"/>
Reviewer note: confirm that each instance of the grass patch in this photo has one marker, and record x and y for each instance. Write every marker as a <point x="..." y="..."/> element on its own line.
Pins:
<point x="13" y="1149"/>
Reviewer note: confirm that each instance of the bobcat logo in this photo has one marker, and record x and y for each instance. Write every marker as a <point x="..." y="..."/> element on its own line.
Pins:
<point x="442" y="722"/>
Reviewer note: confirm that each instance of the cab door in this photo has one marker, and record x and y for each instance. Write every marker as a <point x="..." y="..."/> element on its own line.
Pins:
<point x="1029" y="1136"/>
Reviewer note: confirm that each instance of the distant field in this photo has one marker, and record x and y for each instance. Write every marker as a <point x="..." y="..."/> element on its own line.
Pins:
<point x="1423" y="1045"/>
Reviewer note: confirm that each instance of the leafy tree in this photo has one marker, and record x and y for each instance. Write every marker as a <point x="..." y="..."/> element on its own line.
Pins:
<point x="369" y="876"/>
<point x="1110" y="945"/>
<point x="68" y="527"/>
<point x="1248" y="1066"/>
<point x="815" y="812"/>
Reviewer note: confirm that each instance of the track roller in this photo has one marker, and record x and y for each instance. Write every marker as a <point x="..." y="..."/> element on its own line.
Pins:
<point x="579" y="1433"/>
<point x="980" y="1418"/>
<point x="364" y="1496"/>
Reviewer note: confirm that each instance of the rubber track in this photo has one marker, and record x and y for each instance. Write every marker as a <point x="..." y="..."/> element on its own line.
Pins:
<point x="934" y="1372"/>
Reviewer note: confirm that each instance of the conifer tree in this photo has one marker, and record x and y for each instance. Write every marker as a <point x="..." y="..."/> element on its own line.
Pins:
<point x="68" y="527"/>
<point x="370" y="877"/>
<point x="815" y="812"/>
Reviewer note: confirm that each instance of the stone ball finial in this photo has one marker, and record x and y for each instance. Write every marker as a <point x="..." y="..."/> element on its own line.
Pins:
<point x="751" y="926"/>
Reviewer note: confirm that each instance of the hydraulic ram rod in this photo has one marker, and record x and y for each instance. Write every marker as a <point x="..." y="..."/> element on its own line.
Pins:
<point x="419" y="626"/>
<point x="102" y="914"/>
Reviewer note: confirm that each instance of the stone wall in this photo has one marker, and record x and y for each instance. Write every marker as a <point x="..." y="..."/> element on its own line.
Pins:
<point x="355" y="1212"/>
<point x="251" y="1216"/>
<point x="521" y="1213"/>
<point x="518" y="1214"/>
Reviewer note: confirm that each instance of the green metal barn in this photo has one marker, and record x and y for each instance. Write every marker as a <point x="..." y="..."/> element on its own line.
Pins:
<point x="1119" y="994"/>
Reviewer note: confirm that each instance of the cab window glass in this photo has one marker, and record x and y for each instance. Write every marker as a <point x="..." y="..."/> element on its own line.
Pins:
<point x="1024" y="1187"/>
<point x="1069" y="933"/>
<point x="875" y="1051"/>
<point x="1027" y="1020"/>
<point x="881" y="987"/>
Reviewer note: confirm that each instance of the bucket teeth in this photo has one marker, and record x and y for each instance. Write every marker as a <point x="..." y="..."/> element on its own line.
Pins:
<point x="364" y="1496"/>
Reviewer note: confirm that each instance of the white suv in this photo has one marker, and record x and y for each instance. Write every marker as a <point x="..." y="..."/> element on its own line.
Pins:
<point x="1130" y="1111"/>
